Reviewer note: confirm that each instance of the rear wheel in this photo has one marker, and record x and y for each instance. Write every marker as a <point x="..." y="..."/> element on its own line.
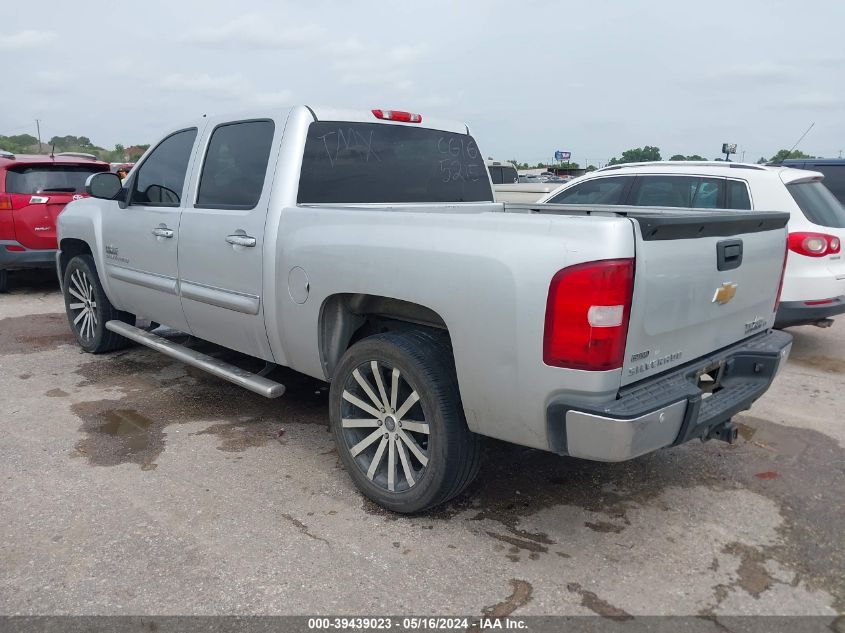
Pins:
<point x="398" y="421"/>
<point x="4" y="280"/>
<point x="88" y="309"/>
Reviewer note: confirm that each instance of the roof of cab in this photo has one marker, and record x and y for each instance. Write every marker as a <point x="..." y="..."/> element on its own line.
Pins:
<point x="366" y="116"/>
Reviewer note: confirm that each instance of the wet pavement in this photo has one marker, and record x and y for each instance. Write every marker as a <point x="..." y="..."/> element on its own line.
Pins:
<point x="130" y="484"/>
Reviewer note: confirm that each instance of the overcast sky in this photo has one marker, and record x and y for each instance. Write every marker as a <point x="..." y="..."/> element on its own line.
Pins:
<point x="529" y="77"/>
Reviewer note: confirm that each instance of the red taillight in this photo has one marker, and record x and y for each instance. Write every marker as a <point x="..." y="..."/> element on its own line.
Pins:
<point x="587" y="315"/>
<point x="814" y="244"/>
<point x="5" y="203"/>
<point x="398" y="115"/>
<point x="820" y="302"/>
<point x="15" y="249"/>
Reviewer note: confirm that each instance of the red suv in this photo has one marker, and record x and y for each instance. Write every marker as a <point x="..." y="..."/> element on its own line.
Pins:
<point x="33" y="191"/>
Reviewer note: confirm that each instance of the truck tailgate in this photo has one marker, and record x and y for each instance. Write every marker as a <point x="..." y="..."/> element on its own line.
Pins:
<point x="704" y="280"/>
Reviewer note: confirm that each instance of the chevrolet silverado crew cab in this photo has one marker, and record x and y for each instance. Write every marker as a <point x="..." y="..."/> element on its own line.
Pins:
<point x="33" y="191"/>
<point x="365" y="249"/>
<point x="814" y="283"/>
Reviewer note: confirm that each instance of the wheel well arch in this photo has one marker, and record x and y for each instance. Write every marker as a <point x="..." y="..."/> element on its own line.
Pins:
<point x="70" y="248"/>
<point x="348" y="317"/>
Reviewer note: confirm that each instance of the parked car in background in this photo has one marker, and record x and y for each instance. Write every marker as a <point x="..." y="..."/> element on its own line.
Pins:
<point x="435" y="313"/>
<point x="509" y="187"/>
<point x="814" y="284"/>
<point x="832" y="168"/>
<point x="33" y="191"/>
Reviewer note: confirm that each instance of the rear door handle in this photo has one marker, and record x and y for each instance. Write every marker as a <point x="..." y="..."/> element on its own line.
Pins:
<point x="163" y="231"/>
<point x="241" y="240"/>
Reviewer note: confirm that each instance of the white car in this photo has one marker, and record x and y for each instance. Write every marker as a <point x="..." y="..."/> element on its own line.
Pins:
<point x="814" y="284"/>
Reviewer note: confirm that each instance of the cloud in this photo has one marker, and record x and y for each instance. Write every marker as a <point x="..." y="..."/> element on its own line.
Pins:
<point x="761" y="73"/>
<point x="812" y="101"/>
<point x="28" y="38"/>
<point x="254" y="31"/>
<point x="231" y="88"/>
<point x="367" y="65"/>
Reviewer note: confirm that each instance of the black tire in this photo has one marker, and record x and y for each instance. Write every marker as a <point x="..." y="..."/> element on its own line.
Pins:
<point x="91" y="334"/>
<point x="4" y="280"/>
<point x="426" y="367"/>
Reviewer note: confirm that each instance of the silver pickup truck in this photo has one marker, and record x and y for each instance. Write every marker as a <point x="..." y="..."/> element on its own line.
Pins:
<point x="365" y="249"/>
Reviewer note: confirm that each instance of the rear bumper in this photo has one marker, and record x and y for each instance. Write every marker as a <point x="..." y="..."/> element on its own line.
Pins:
<point x="799" y="313"/>
<point x="669" y="409"/>
<point x="27" y="258"/>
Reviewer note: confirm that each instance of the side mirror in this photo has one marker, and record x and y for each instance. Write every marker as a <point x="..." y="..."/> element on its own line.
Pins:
<point x="105" y="185"/>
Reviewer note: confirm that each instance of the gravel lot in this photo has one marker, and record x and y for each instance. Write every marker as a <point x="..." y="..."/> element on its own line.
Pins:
<point x="132" y="485"/>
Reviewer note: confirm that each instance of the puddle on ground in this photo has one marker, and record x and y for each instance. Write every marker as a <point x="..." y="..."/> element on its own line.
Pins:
<point x="158" y="392"/>
<point x="129" y="425"/>
<point x="598" y="606"/>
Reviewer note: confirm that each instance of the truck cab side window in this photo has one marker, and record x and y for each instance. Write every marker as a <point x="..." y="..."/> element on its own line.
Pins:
<point x="235" y="164"/>
<point x="496" y="175"/>
<point x="161" y="177"/>
<point x="595" y="191"/>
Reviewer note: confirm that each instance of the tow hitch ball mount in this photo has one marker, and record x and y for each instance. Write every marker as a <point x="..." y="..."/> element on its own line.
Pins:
<point x="725" y="432"/>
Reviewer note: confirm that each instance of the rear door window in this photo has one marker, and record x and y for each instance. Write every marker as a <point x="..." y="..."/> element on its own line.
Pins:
<point x="359" y="163"/>
<point x="161" y="177"/>
<point x="818" y="204"/>
<point x="737" y="195"/>
<point x="495" y="175"/>
<point x="611" y="190"/>
<point x="29" y="179"/>
<point x="679" y="191"/>
<point x="235" y="165"/>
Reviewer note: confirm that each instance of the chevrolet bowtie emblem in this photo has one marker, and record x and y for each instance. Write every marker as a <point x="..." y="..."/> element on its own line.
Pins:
<point x="725" y="293"/>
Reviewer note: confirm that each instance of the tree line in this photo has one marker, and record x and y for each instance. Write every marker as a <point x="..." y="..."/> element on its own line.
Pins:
<point x="650" y="153"/>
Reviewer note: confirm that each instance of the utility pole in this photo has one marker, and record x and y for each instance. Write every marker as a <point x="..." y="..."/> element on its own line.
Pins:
<point x="38" y="127"/>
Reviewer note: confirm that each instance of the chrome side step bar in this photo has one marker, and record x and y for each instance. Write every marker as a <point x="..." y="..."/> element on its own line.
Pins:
<point x="255" y="383"/>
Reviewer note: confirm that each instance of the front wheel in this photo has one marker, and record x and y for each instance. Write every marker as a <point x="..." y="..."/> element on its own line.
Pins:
<point x="398" y="422"/>
<point x="88" y="309"/>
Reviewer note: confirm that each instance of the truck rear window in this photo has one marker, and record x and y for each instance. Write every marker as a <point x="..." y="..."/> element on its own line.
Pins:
<point x="49" y="178"/>
<point x="818" y="204"/>
<point x="361" y="163"/>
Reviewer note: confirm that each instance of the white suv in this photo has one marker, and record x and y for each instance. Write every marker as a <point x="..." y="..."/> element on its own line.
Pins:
<point x="814" y="284"/>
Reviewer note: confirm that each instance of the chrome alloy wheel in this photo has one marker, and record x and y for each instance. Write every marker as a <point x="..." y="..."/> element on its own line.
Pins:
<point x="84" y="309"/>
<point x="384" y="426"/>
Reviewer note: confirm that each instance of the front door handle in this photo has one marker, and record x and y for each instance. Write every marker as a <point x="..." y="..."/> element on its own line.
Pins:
<point x="163" y="231"/>
<point x="241" y="240"/>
